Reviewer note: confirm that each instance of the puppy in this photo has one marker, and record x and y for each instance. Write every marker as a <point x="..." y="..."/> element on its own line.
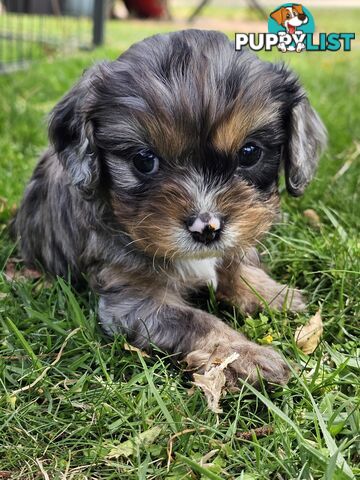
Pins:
<point x="160" y="179"/>
<point x="290" y="18"/>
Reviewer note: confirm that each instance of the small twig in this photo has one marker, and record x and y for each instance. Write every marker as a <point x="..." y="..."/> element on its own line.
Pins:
<point x="42" y="470"/>
<point x="43" y="374"/>
<point x="5" y="474"/>
<point x="170" y="442"/>
<point x="259" y="432"/>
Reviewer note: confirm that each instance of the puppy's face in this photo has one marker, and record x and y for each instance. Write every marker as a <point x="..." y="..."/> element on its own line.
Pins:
<point x="187" y="137"/>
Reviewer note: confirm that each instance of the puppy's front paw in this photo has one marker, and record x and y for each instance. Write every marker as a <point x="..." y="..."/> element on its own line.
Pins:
<point x="253" y="361"/>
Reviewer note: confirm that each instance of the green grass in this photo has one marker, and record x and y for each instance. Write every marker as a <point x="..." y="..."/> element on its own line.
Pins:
<point x="89" y="395"/>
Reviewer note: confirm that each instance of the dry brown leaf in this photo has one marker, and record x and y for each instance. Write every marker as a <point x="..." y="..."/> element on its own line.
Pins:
<point x="312" y="217"/>
<point x="5" y="474"/>
<point x="12" y="273"/>
<point x="213" y="382"/>
<point x="307" y="337"/>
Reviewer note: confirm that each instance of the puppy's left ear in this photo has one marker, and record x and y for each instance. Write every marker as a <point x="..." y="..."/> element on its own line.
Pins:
<point x="307" y="139"/>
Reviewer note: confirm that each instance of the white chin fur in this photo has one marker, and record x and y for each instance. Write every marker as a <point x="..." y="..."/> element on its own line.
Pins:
<point x="198" y="271"/>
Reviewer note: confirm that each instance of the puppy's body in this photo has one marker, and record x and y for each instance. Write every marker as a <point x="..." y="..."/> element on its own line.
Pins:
<point x="161" y="178"/>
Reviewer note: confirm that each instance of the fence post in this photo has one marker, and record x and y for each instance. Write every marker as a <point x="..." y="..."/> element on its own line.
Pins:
<point x="99" y="16"/>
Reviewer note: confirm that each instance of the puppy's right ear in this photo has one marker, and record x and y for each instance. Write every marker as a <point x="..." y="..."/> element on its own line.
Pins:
<point x="71" y="135"/>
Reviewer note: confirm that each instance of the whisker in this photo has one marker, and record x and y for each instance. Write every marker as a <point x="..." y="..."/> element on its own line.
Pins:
<point x="143" y="219"/>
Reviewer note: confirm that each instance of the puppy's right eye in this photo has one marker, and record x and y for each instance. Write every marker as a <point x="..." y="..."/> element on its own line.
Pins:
<point x="146" y="162"/>
<point x="248" y="155"/>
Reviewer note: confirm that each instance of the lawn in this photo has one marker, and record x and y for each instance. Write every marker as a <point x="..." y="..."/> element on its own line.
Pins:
<point x="70" y="397"/>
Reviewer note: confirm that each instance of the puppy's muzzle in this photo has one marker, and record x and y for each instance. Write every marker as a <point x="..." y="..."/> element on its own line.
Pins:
<point x="205" y="227"/>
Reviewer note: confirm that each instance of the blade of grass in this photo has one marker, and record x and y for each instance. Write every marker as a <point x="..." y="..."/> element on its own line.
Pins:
<point x="198" y="468"/>
<point x="77" y="313"/>
<point x="25" y="345"/>
<point x="330" y="442"/>
<point x="157" y="396"/>
<point x="302" y="440"/>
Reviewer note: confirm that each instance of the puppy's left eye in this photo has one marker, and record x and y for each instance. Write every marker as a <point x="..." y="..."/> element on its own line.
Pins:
<point x="146" y="162"/>
<point x="248" y="155"/>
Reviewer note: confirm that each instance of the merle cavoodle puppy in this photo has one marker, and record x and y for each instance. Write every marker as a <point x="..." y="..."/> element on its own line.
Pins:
<point x="160" y="178"/>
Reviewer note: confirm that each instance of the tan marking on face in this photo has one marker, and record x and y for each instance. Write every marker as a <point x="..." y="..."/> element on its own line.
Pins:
<point x="231" y="132"/>
<point x="250" y="217"/>
<point x="167" y="138"/>
<point x="152" y="226"/>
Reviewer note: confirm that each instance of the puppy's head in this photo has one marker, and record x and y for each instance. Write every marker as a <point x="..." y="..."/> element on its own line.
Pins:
<point x="187" y="138"/>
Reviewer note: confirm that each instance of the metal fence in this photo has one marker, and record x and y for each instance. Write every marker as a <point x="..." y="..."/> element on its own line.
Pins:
<point x="33" y="29"/>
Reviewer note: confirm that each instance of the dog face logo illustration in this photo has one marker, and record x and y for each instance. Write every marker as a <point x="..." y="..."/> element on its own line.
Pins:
<point x="291" y="20"/>
<point x="290" y="17"/>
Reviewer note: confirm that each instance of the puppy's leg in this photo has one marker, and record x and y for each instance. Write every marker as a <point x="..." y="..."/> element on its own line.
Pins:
<point x="195" y="336"/>
<point x="248" y="286"/>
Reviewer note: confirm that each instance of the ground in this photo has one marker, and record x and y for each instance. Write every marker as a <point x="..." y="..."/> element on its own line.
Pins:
<point x="88" y="394"/>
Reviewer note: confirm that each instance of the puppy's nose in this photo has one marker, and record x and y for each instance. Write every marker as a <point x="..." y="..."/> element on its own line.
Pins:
<point x="301" y="16"/>
<point x="205" y="227"/>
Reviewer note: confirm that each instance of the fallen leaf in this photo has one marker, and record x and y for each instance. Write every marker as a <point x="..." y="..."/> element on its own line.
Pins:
<point x="213" y="382"/>
<point x="307" y="337"/>
<point x="13" y="274"/>
<point x="129" y="447"/>
<point x="5" y="474"/>
<point x="312" y="217"/>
